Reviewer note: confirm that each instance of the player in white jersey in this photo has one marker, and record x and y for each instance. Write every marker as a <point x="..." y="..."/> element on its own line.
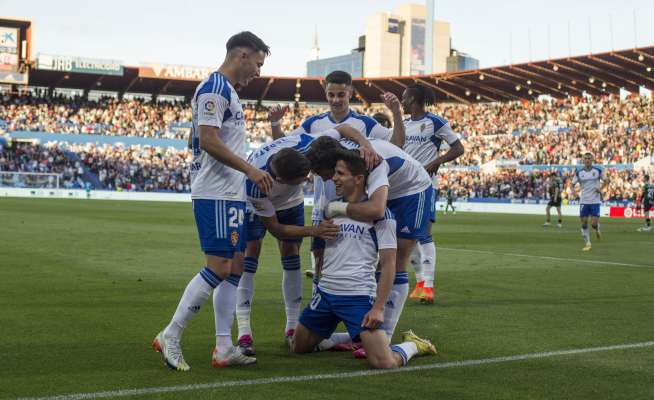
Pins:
<point x="338" y="90"/>
<point x="282" y="213"/>
<point x="591" y="190"/>
<point x="217" y="173"/>
<point x="400" y="183"/>
<point x="346" y="292"/>
<point x="424" y="134"/>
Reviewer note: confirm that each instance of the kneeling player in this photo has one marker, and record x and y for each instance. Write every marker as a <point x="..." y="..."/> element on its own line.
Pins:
<point x="346" y="289"/>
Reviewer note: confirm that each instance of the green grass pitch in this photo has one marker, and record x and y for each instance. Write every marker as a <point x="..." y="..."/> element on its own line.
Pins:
<point x="86" y="285"/>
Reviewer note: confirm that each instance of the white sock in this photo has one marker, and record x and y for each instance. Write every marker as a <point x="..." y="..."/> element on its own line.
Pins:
<point x="244" y="294"/>
<point x="406" y="350"/>
<point x="313" y="262"/>
<point x="416" y="262"/>
<point x="334" y="340"/>
<point x="315" y="285"/>
<point x="292" y="288"/>
<point x="224" y="304"/>
<point x="428" y="252"/>
<point x="395" y="303"/>
<point x="597" y="229"/>
<point x="196" y="294"/>
<point x="584" y="233"/>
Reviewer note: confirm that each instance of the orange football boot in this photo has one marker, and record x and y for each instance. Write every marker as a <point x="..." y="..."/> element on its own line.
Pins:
<point x="417" y="292"/>
<point x="427" y="295"/>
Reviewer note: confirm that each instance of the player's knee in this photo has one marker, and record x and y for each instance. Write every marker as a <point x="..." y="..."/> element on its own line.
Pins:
<point x="381" y="363"/>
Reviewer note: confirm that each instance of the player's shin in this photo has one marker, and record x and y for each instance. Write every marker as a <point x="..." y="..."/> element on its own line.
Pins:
<point x="416" y="262"/>
<point x="196" y="294"/>
<point x="406" y="350"/>
<point x="395" y="303"/>
<point x="224" y="303"/>
<point x="292" y="288"/>
<point x="428" y="262"/>
<point x="244" y="295"/>
<point x="586" y="236"/>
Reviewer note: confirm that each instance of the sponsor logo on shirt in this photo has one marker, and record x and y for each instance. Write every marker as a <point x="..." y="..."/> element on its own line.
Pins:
<point x="258" y="206"/>
<point x="209" y="109"/>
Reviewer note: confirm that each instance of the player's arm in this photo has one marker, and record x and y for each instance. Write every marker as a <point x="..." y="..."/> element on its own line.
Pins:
<point x="456" y="150"/>
<point x="275" y="115"/>
<point x="351" y="133"/>
<point x="190" y="139"/>
<point x="210" y="142"/>
<point x="370" y="210"/>
<point x="399" y="134"/>
<point x="326" y="229"/>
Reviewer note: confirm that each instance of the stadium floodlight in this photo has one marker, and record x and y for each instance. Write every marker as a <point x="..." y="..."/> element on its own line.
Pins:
<point x="641" y="57"/>
<point x="481" y="77"/>
<point x="297" y="85"/>
<point x="649" y="69"/>
<point x="478" y="97"/>
<point x="591" y="79"/>
<point x="467" y="93"/>
<point x="603" y="84"/>
<point x="528" y="82"/>
<point x="555" y="68"/>
<point x="559" y="86"/>
<point x="530" y="92"/>
<point x="517" y="88"/>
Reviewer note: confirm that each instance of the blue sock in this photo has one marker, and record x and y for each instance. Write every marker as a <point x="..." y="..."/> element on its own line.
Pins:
<point x="210" y="277"/>
<point x="251" y="265"/>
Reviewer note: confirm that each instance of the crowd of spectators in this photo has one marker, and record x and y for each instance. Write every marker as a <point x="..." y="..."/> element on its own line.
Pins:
<point x="532" y="132"/>
<point x="32" y="161"/>
<point x="536" y="184"/>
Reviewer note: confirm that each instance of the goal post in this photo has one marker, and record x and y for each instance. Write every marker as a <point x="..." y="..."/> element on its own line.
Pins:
<point x="35" y="180"/>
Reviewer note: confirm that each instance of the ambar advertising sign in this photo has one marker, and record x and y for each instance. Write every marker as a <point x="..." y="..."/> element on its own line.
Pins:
<point x="79" y="64"/>
<point x="169" y="71"/>
<point x="8" y="49"/>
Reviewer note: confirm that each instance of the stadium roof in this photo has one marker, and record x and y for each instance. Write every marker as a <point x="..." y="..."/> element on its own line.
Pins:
<point x="594" y="74"/>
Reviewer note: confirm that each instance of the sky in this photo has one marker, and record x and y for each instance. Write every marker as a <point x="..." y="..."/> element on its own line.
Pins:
<point x="194" y="33"/>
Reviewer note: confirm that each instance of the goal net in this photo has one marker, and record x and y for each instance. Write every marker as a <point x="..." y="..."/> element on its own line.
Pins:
<point x="29" y="180"/>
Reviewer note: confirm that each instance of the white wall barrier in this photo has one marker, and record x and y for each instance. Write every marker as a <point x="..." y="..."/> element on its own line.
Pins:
<point x="506" y="208"/>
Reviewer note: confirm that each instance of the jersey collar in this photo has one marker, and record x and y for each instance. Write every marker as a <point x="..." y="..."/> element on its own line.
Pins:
<point x="329" y="115"/>
<point x="419" y="119"/>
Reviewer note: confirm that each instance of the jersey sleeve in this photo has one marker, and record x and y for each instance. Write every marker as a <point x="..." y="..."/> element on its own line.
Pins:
<point x="386" y="234"/>
<point x="378" y="177"/>
<point x="329" y="132"/>
<point x="603" y="175"/>
<point x="447" y="134"/>
<point x="259" y="202"/>
<point x="575" y="179"/>
<point x="379" y="132"/>
<point x="213" y="109"/>
<point x="298" y="131"/>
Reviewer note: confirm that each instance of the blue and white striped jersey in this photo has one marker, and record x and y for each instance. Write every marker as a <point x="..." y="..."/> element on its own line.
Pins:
<point x="350" y="258"/>
<point x="318" y="123"/>
<point x="424" y="137"/>
<point x="216" y="103"/>
<point x="282" y="196"/>
<point x="589" y="181"/>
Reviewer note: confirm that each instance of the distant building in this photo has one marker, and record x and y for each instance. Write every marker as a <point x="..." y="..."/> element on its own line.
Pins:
<point x="459" y="61"/>
<point x="394" y="45"/>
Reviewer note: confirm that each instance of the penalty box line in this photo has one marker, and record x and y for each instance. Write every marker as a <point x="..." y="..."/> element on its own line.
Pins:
<point x="249" y="382"/>
<point x="547" y="258"/>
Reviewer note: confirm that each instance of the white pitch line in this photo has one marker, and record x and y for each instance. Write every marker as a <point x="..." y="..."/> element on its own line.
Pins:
<point x="547" y="258"/>
<point x="249" y="382"/>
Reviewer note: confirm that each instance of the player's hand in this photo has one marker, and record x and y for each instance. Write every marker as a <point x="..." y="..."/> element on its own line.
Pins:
<point x="262" y="179"/>
<point x="369" y="155"/>
<point x="391" y="101"/>
<point x="326" y="229"/>
<point x="597" y="190"/>
<point x="432" y="168"/>
<point x="276" y="113"/>
<point x="374" y="319"/>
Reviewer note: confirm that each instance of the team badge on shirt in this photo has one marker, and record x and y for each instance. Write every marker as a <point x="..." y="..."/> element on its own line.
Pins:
<point x="209" y="108"/>
<point x="258" y="206"/>
<point x="422" y="127"/>
<point x="234" y="237"/>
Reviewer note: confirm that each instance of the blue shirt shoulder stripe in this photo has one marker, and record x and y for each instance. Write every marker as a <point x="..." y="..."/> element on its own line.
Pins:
<point x="438" y="121"/>
<point x="368" y="121"/>
<point x="309" y="121"/>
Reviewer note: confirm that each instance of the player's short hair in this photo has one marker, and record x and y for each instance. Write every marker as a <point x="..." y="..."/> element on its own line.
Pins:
<point x="352" y="159"/>
<point x="248" y="40"/>
<point x="588" y="153"/>
<point x="382" y="119"/>
<point x="320" y="154"/>
<point x="289" y="164"/>
<point x="422" y="94"/>
<point x="339" y="78"/>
